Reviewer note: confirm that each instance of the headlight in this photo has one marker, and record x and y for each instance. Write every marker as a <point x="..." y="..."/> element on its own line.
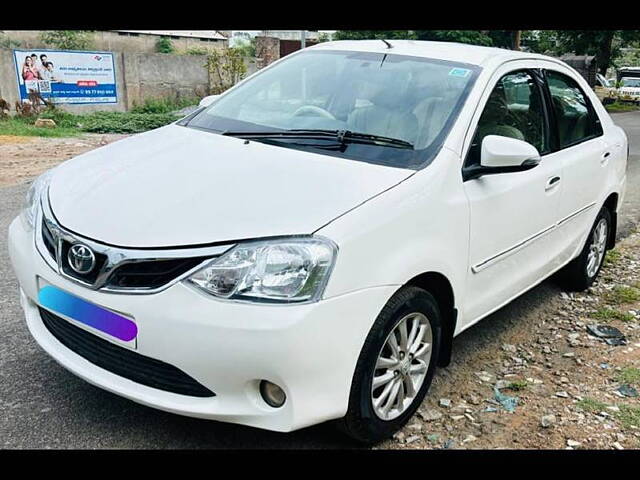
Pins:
<point x="34" y="195"/>
<point x="284" y="270"/>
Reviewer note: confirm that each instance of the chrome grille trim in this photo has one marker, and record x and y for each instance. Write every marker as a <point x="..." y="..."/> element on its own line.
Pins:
<point x="116" y="256"/>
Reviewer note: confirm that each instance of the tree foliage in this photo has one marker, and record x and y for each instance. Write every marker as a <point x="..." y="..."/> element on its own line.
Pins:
<point x="374" y="34"/>
<point x="226" y="67"/>
<point x="604" y="44"/>
<point x="475" y="37"/>
<point x="67" y="39"/>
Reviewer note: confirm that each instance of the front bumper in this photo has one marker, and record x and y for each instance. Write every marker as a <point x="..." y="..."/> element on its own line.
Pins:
<point x="309" y="350"/>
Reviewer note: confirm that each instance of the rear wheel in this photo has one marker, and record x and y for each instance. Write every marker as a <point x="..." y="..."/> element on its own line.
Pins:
<point x="395" y="367"/>
<point x="582" y="271"/>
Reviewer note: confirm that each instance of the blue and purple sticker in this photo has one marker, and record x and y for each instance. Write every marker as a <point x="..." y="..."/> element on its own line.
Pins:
<point x="90" y="314"/>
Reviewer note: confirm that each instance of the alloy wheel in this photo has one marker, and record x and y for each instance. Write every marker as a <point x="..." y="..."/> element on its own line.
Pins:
<point x="597" y="247"/>
<point x="401" y="366"/>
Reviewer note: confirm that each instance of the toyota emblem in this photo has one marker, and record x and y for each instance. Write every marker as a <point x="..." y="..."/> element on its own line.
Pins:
<point x="81" y="258"/>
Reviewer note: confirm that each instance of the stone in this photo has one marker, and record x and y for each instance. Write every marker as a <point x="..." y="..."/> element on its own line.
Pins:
<point x="484" y="376"/>
<point x="45" y="122"/>
<point x="547" y="421"/>
<point x="509" y="348"/>
<point x="573" y="443"/>
<point x="469" y="439"/>
<point x="617" y="446"/>
<point x="430" y="415"/>
<point x="562" y="394"/>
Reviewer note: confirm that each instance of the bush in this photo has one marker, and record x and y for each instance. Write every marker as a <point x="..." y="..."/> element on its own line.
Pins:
<point x="164" y="105"/>
<point x="119" y="122"/>
<point x="62" y="118"/>
<point x="165" y="45"/>
<point x="67" y="39"/>
<point x="196" y="51"/>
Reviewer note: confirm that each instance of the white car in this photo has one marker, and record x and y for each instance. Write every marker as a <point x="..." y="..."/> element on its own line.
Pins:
<point x="630" y="89"/>
<point x="306" y="247"/>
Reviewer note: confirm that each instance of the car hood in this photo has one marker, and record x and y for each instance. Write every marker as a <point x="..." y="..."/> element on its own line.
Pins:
<point x="178" y="186"/>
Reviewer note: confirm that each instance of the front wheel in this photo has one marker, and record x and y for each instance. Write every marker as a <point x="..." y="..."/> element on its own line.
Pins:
<point x="582" y="271"/>
<point x="395" y="367"/>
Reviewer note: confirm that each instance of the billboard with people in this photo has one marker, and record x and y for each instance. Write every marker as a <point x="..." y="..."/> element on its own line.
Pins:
<point x="66" y="76"/>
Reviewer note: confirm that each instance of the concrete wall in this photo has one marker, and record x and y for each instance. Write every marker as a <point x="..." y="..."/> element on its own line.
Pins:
<point x="158" y="75"/>
<point x="115" y="41"/>
<point x="139" y="76"/>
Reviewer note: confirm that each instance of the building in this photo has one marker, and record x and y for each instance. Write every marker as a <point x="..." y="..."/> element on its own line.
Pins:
<point x="237" y="37"/>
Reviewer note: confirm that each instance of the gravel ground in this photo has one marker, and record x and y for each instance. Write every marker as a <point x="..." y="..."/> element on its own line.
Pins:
<point x="44" y="406"/>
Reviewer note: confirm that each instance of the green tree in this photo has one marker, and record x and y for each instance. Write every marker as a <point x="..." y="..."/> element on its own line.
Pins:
<point x="474" y="37"/>
<point x="67" y="39"/>
<point x="604" y="44"/>
<point x="165" y="45"/>
<point x="374" y="34"/>
<point x="541" y="41"/>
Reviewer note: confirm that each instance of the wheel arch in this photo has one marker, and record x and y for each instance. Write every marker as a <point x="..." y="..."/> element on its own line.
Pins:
<point x="440" y="287"/>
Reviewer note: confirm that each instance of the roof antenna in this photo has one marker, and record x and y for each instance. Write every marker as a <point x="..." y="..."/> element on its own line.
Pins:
<point x="387" y="43"/>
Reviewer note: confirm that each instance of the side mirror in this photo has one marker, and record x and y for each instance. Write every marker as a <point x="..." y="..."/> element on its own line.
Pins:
<point x="206" y="101"/>
<point x="503" y="155"/>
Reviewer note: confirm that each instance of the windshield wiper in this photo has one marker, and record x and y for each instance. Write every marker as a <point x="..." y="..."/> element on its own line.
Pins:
<point x="342" y="136"/>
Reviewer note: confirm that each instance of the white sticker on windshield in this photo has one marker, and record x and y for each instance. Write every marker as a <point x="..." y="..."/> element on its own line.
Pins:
<point x="459" y="72"/>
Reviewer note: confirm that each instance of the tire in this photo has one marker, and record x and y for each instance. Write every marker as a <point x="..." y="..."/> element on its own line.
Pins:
<point x="408" y="305"/>
<point x="578" y="275"/>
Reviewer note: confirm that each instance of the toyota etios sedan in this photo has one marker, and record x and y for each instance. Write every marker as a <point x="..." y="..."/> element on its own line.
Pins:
<point x="306" y="247"/>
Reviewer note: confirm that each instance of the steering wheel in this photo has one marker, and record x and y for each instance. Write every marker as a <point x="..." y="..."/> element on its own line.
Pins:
<point x="305" y="110"/>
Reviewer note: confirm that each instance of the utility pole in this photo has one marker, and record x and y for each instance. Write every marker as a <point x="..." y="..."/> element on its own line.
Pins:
<point x="303" y="38"/>
<point x="516" y="39"/>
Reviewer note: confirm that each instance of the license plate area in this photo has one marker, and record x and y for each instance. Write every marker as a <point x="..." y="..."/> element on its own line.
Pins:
<point x="116" y="327"/>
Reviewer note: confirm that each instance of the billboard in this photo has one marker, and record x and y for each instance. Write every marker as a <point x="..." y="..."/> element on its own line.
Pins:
<point x="71" y="77"/>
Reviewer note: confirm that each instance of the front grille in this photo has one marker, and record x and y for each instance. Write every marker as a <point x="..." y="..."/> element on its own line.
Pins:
<point x="121" y="361"/>
<point x="151" y="273"/>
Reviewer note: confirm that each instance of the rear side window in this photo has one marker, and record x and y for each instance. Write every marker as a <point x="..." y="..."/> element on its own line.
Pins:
<point x="576" y="119"/>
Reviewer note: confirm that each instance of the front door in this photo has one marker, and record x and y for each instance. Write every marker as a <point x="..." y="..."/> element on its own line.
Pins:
<point x="512" y="238"/>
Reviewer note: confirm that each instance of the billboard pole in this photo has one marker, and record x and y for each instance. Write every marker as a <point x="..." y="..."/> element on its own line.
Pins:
<point x="303" y="38"/>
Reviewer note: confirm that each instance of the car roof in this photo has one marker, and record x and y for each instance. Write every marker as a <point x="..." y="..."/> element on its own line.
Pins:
<point x="457" y="52"/>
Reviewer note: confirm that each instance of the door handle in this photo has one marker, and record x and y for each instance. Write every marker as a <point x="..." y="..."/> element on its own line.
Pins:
<point x="605" y="158"/>
<point x="552" y="182"/>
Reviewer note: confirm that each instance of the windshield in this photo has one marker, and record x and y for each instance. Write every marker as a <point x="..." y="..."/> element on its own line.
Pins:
<point x="411" y="99"/>
<point x="631" y="82"/>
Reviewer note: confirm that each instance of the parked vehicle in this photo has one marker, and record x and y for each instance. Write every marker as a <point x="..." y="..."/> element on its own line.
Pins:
<point x="629" y="84"/>
<point x="605" y="91"/>
<point x="629" y="90"/>
<point x="306" y="247"/>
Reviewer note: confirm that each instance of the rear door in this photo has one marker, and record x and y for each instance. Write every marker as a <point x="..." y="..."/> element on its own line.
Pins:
<point x="584" y="153"/>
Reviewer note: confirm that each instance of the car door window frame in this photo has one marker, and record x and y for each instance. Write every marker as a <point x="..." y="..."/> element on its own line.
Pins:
<point x="539" y="82"/>
<point x="554" y="125"/>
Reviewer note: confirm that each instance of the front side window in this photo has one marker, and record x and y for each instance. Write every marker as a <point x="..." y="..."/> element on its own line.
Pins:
<point x="514" y="109"/>
<point x="412" y="100"/>
<point x="575" y="117"/>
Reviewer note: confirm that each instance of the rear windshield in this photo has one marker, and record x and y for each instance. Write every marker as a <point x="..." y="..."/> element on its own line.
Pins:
<point x="412" y="99"/>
